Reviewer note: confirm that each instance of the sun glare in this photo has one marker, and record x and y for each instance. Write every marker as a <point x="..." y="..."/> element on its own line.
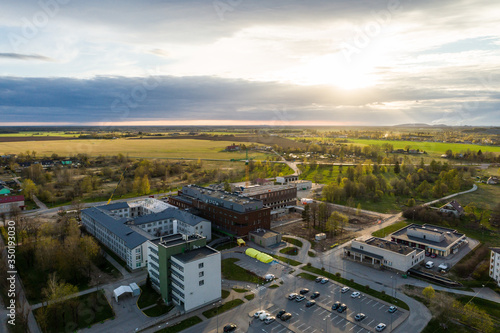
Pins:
<point x="336" y="71"/>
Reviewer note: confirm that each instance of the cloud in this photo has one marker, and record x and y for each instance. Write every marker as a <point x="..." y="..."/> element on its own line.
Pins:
<point x="18" y="56"/>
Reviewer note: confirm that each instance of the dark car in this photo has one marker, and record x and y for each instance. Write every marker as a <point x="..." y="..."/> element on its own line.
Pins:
<point x="360" y="316"/>
<point x="304" y="291"/>
<point x="230" y="327"/>
<point x="335" y="305"/>
<point x="315" y="295"/>
<point x="286" y="316"/>
<point x="433" y="255"/>
<point x="427" y="254"/>
<point x="310" y="303"/>
<point x="280" y="313"/>
<point x="342" y="308"/>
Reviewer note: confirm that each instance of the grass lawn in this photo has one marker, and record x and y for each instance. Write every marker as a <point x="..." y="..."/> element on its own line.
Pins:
<point x="358" y="287"/>
<point x="226" y="246"/>
<point x="291" y="251"/>
<point x="92" y="308"/>
<point x="105" y="266"/>
<point x="273" y="286"/>
<point x="286" y="260"/>
<point x="158" y="310"/>
<point x="293" y="241"/>
<point x="250" y="297"/>
<point x="223" y="308"/>
<point x="114" y="256"/>
<point x="181" y="326"/>
<point x="311" y="254"/>
<point x="225" y="293"/>
<point x="490" y="307"/>
<point x="307" y="276"/>
<point x="239" y="290"/>
<point x="231" y="271"/>
<point x="389" y="229"/>
<point x="148" y="296"/>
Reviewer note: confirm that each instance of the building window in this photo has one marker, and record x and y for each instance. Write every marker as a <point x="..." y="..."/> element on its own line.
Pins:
<point x="202" y="282"/>
<point x="200" y="265"/>
<point x="201" y="274"/>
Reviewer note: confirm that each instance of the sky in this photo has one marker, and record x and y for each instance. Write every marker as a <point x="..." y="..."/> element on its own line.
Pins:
<point x="249" y="62"/>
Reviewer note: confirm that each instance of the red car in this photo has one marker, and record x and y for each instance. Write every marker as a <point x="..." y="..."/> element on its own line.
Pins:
<point x="433" y="255"/>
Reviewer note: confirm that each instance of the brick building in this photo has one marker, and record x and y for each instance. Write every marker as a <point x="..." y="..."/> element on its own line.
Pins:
<point x="231" y="213"/>
<point x="273" y="196"/>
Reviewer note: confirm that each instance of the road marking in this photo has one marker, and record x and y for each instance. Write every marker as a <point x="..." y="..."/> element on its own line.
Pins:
<point x="284" y="328"/>
<point x="352" y="328"/>
<point x="341" y="319"/>
<point x="371" y="322"/>
<point x="322" y="312"/>
<point x="374" y="304"/>
<point x="302" y="310"/>
<point x="301" y="325"/>
<point x="360" y="330"/>
<point x="381" y="306"/>
<point x="369" y="301"/>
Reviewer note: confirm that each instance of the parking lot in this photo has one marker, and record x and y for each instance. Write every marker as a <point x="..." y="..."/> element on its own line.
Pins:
<point x="321" y="318"/>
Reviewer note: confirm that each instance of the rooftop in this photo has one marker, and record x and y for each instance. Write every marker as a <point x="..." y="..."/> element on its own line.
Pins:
<point x="495" y="249"/>
<point x="258" y="189"/>
<point x="169" y="213"/>
<point x="390" y="246"/>
<point x="131" y="238"/>
<point x="264" y="233"/>
<point x="115" y="205"/>
<point x="195" y="254"/>
<point x="176" y="239"/>
<point x="450" y="236"/>
<point x="12" y="198"/>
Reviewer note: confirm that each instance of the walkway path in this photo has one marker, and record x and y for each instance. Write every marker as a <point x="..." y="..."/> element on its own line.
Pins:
<point x="40" y="204"/>
<point x="474" y="187"/>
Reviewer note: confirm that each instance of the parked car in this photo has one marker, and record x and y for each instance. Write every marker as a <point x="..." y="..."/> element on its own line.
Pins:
<point x="258" y="313"/>
<point x="324" y="280"/>
<point x="342" y="308"/>
<point x="269" y="320"/>
<point x="433" y="255"/>
<point x="293" y="296"/>
<point x="392" y="309"/>
<point x="269" y="277"/>
<point x="319" y="279"/>
<point x="345" y="289"/>
<point x="286" y="316"/>
<point x="300" y="298"/>
<point x="304" y="291"/>
<point x="427" y="254"/>
<point x="380" y="327"/>
<point x="310" y="303"/>
<point x="230" y="327"/>
<point x="264" y="315"/>
<point x="280" y="313"/>
<point x="315" y="295"/>
<point x="355" y="294"/>
<point x="335" y="305"/>
<point x="360" y="316"/>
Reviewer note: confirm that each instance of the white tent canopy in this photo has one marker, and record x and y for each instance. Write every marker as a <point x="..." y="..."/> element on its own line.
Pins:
<point x="133" y="288"/>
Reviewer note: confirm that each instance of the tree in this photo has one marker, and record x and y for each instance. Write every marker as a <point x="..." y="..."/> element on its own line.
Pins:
<point x="411" y="202"/>
<point x="337" y="221"/>
<point x="29" y="188"/>
<point x="429" y="292"/>
<point x="495" y="216"/>
<point x="397" y="168"/>
<point x="305" y="215"/>
<point x="358" y="209"/>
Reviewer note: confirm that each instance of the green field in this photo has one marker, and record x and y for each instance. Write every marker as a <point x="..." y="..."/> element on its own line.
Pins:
<point x="146" y="148"/>
<point x="433" y="148"/>
<point x="38" y="134"/>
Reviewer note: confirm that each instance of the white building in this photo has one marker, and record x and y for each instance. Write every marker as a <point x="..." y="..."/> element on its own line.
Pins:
<point x="287" y="179"/>
<point x="196" y="277"/>
<point x="380" y="253"/>
<point x="495" y="264"/>
<point x="7" y="203"/>
<point x="124" y="228"/>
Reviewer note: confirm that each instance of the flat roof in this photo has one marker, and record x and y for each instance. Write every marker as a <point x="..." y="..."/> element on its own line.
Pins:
<point x="196" y="254"/>
<point x="450" y="235"/>
<point x="264" y="233"/>
<point x="390" y="246"/>
<point x="261" y="189"/>
<point x="176" y="239"/>
<point x="369" y="254"/>
<point x="170" y="213"/>
<point x="495" y="249"/>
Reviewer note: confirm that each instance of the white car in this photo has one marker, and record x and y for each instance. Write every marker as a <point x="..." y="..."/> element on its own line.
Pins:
<point x="258" y="313"/>
<point x="269" y="320"/>
<point x="355" y="294"/>
<point x="380" y="327"/>
<point x="344" y="289"/>
<point x="324" y="280"/>
<point x="264" y="316"/>
<point x="293" y="296"/>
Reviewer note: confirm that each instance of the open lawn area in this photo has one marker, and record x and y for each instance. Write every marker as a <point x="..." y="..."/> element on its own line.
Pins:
<point x="293" y="241"/>
<point x="147" y="148"/>
<point x="158" y="310"/>
<point x="79" y="312"/>
<point x="148" y="296"/>
<point x="231" y="271"/>
<point x="222" y="308"/>
<point x="389" y="229"/>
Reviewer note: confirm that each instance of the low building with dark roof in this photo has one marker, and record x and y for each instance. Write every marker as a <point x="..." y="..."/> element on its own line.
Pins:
<point x="381" y="253"/>
<point x="452" y="207"/>
<point x="264" y="237"/>
<point x="431" y="238"/>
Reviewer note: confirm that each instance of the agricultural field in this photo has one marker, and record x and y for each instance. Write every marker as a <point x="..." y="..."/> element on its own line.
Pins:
<point x="145" y="148"/>
<point x="39" y="134"/>
<point x="434" y="149"/>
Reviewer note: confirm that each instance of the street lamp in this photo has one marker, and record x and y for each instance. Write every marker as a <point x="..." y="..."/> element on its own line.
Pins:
<point x="217" y="304"/>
